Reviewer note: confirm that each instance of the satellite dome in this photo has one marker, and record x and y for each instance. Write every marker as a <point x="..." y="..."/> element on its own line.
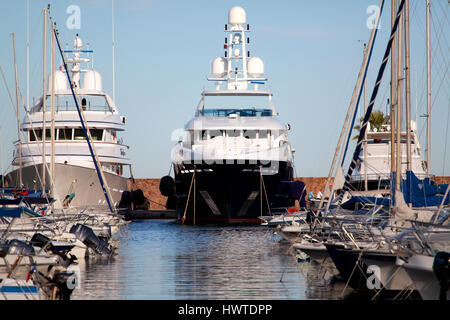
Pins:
<point x="61" y="83"/>
<point x="219" y="67"/>
<point x="92" y="81"/>
<point x="255" y="67"/>
<point x="237" y="16"/>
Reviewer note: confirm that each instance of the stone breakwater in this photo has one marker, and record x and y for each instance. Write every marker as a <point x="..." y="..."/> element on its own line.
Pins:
<point x="150" y="187"/>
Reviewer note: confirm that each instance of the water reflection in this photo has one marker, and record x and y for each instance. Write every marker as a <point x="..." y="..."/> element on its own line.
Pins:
<point x="164" y="260"/>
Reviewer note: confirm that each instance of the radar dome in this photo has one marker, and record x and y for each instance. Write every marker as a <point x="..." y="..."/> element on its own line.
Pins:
<point x="61" y="83"/>
<point x="237" y="16"/>
<point x="219" y="67"/>
<point x="255" y="67"/>
<point x="92" y="81"/>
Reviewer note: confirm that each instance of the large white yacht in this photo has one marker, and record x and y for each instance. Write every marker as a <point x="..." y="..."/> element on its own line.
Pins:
<point x="375" y="165"/>
<point x="235" y="161"/>
<point x="75" y="180"/>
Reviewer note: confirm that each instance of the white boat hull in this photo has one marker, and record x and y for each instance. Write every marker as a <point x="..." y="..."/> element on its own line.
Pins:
<point x="84" y="182"/>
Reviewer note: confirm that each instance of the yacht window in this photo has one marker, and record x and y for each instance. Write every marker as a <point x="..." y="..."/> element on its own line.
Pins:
<point x="250" y="134"/>
<point x="96" y="134"/>
<point x="79" y="135"/>
<point x="37" y="134"/>
<point x="65" y="134"/>
<point x="233" y="133"/>
<point x="215" y="133"/>
<point x="242" y="106"/>
<point x="90" y="103"/>
<point x="263" y="134"/>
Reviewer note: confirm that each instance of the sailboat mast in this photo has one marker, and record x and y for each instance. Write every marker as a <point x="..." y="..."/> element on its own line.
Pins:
<point x="17" y="110"/>
<point x="44" y="107"/>
<point x="366" y="187"/>
<point x="28" y="54"/>
<point x="113" y="52"/>
<point x="392" y="94"/>
<point x="399" y="107"/>
<point x="407" y="89"/>
<point x="428" y="5"/>
<point x="52" y="126"/>
<point x="347" y="127"/>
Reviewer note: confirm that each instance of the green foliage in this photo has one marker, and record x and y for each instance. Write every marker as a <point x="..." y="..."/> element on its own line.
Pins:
<point x="376" y="120"/>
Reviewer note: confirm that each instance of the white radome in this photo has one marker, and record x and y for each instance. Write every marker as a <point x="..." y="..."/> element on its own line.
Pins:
<point x="255" y="67"/>
<point x="92" y="81"/>
<point x="61" y="83"/>
<point x="237" y="16"/>
<point x="219" y="67"/>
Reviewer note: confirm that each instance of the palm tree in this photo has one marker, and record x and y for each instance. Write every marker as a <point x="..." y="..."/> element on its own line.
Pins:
<point x="376" y="120"/>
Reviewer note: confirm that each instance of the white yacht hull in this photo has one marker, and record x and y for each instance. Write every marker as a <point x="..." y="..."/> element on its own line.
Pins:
<point x="420" y="269"/>
<point x="84" y="182"/>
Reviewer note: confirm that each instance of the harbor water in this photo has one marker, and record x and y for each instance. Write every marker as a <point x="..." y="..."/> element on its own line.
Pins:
<point x="160" y="259"/>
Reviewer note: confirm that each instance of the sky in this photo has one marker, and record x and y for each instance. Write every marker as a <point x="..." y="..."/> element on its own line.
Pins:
<point x="312" y="51"/>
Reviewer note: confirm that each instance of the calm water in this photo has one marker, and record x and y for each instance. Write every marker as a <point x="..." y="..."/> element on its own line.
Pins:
<point x="160" y="259"/>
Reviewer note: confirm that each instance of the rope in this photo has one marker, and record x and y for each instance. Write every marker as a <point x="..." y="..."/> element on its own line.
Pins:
<point x="187" y="201"/>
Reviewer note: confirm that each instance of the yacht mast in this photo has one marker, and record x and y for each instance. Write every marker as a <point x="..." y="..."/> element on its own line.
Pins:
<point x="44" y="93"/>
<point x="428" y="5"/>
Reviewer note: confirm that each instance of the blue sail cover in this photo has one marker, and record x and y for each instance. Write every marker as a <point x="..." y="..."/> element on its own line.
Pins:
<point x="352" y="203"/>
<point x="12" y="212"/>
<point x="421" y="193"/>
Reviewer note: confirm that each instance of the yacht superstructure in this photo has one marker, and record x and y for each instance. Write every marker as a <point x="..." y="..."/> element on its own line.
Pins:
<point x="74" y="176"/>
<point x="376" y="163"/>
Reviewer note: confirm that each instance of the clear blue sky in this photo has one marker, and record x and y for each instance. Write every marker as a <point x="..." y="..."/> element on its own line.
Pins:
<point x="311" y="49"/>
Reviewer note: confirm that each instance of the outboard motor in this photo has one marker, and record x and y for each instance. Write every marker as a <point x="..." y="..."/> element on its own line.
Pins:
<point x="40" y="240"/>
<point x="89" y="238"/>
<point x="19" y="247"/>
